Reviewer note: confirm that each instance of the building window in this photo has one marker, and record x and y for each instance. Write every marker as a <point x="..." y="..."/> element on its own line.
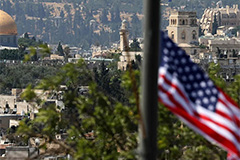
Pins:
<point x="173" y="21"/>
<point x="183" y="35"/>
<point x="194" y="34"/>
<point x="172" y="35"/>
<point x="193" y="22"/>
<point x="183" y="22"/>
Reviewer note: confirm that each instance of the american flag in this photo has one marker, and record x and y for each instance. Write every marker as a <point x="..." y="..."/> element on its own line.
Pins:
<point x="189" y="93"/>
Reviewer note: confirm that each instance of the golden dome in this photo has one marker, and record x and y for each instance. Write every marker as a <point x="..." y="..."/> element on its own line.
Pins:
<point x="7" y="24"/>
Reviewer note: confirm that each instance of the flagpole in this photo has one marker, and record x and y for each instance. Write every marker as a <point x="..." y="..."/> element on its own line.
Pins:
<point x="149" y="103"/>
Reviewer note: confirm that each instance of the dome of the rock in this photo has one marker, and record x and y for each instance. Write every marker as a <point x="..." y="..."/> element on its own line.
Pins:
<point x="7" y="24"/>
<point x="8" y="31"/>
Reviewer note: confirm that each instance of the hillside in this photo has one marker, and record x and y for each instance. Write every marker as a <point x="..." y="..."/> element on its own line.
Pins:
<point x="85" y="22"/>
<point x="76" y="22"/>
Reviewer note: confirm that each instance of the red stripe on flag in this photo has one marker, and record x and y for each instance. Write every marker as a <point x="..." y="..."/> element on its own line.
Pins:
<point x="221" y="122"/>
<point x="205" y="129"/>
<point x="234" y="117"/>
<point x="174" y="86"/>
<point x="229" y="99"/>
<point x="220" y="125"/>
<point x="170" y="97"/>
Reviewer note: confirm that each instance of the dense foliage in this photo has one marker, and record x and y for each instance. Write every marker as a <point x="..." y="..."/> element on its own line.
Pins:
<point x="21" y="75"/>
<point x="110" y="120"/>
<point x="11" y="55"/>
<point x="27" y="42"/>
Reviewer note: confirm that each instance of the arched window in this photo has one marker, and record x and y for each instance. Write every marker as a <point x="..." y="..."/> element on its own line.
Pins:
<point x="172" y="35"/>
<point x="194" y="34"/>
<point x="183" y="35"/>
<point x="183" y="22"/>
<point x="192" y="21"/>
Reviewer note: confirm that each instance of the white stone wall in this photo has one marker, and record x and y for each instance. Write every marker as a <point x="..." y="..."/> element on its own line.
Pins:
<point x="127" y="57"/>
<point x="21" y="106"/>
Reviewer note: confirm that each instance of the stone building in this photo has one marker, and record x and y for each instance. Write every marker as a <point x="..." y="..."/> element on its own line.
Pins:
<point x="124" y="43"/>
<point x="183" y="29"/>
<point x="13" y="104"/>
<point x="126" y="58"/>
<point x="8" y="31"/>
<point x="228" y="17"/>
<point x="126" y="55"/>
<point x="226" y="51"/>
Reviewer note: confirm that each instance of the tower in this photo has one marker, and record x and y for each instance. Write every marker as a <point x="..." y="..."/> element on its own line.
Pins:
<point x="183" y="27"/>
<point x="184" y="30"/>
<point x="124" y="44"/>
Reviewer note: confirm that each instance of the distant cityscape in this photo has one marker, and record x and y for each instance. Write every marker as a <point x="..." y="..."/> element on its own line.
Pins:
<point x="215" y="37"/>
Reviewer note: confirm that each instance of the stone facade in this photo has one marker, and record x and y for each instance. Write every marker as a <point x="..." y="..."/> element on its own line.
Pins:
<point x="126" y="58"/>
<point x="5" y="120"/>
<point x="226" y="51"/>
<point x="11" y="100"/>
<point x="184" y="30"/>
<point x="228" y="17"/>
<point x="21" y="152"/>
<point x="183" y="27"/>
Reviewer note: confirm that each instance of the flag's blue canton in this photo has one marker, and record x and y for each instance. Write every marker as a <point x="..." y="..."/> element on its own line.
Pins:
<point x="199" y="88"/>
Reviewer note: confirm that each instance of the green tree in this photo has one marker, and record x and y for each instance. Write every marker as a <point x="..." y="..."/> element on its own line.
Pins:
<point x="11" y="55"/>
<point x="21" y="75"/>
<point x="60" y="49"/>
<point x="66" y="52"/>
<point x="234" y="89"/>
<point x="214" y="74"/>
<point x="26" y="35"/>
<point x="214" y="25"/>
<point x="27" y="42"/>
<point x="134" y="46"/>
<point x="111" y="124"/>
<point x="62" y="14"/>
